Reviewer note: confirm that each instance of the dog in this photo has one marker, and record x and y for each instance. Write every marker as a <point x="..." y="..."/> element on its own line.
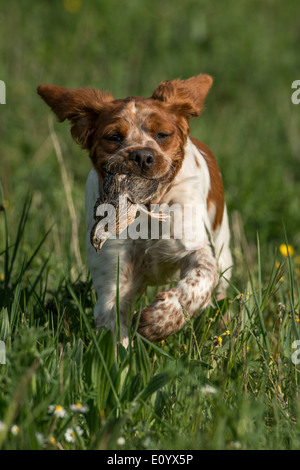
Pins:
<point x="150" y="138"/>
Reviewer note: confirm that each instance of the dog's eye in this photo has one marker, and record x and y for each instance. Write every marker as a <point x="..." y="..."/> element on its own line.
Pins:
<point x="115" y="138"/>
<point x="162" y="136"/>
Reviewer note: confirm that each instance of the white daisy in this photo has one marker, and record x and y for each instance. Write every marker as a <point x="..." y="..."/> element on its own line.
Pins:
<point x="208" y="390"/>
<point x="79" y="408"/>
<point x="57" y="410"/>
<point x="15" y="430"/>
<point x="121" y="441"/>
<point x="71" y="434"/>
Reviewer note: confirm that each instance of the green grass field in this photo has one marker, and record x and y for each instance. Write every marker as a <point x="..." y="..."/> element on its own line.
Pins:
<point x="64" y="386"/>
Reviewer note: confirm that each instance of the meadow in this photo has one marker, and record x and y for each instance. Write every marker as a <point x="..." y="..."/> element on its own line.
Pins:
<point x="230" y="378"/>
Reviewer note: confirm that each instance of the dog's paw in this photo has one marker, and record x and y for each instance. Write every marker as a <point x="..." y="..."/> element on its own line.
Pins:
<point x="162" y="318"/>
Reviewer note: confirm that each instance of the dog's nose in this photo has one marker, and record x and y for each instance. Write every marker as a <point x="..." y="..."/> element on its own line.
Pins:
<point x="145" y="158"/>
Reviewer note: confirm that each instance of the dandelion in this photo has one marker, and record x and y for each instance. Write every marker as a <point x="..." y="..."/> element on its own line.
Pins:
<point x="71" y="434"/>
<point x="57" y="410"/>
<point x="79" y="408"/>
<point x="52" y="441"/>
<point x="208" y="390"/>
<point x="227" y="332"/>
<point x="219" y="339"/>
<point x="121" y="441"/>
<point x="239" y="296"/>
<point x="286" y="250"/>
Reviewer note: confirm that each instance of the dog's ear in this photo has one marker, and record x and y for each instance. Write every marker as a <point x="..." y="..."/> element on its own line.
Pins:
<point x="185" y="97"/>
<point x="81" y="107"/>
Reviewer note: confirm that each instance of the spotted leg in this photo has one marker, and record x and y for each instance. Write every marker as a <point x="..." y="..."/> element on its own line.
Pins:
<point x="169" y="311"/>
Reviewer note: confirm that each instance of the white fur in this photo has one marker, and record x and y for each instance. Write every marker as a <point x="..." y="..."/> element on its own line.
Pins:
<point x="156" y="262"/>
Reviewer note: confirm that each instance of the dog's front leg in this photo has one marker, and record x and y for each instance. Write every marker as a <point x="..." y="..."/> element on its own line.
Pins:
<point x="117" y="275"/>
<point x="171" y="309"/>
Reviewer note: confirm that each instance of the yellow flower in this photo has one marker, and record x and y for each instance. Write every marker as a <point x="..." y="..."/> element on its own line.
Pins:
<point x="72" y="6"/>
<point x="286" y="250"/>
<point x="220" y="340"/>
<point x="228" y="332"/>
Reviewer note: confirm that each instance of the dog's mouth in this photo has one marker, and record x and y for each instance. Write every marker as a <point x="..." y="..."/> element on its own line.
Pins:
<point x="121" y="198"/>
<point x="119" y="168"/>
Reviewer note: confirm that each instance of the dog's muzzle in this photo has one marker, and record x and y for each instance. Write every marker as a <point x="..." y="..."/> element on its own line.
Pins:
<point x="119" y="199"/>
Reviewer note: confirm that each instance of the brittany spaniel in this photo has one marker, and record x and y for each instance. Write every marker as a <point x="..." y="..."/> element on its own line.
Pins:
<point x="149" y="138"/>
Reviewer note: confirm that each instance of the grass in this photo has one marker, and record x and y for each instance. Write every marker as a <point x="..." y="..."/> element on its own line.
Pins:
<point x="229" y="379"/>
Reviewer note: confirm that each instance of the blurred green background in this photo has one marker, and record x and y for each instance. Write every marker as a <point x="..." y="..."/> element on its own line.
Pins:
<point x="251" y="48"/>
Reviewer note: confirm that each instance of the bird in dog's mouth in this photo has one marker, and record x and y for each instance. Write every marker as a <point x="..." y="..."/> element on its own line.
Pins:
<point x="121" y="198"/>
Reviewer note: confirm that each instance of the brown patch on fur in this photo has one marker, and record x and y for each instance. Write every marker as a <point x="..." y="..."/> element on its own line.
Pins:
<point x="81" y="107"/>
<point x="216" y="193"/>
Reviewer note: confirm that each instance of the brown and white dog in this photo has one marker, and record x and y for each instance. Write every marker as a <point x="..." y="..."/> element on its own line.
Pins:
<point x="149" y="137"/>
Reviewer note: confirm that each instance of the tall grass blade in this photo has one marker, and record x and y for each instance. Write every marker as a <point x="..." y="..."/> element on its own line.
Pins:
<point x="157" y="382"/>
<point x="19" y="236"/>
<point x="96" y="344"/>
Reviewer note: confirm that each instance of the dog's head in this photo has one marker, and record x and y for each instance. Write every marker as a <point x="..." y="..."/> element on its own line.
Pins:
<point x="140" y="136"/>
